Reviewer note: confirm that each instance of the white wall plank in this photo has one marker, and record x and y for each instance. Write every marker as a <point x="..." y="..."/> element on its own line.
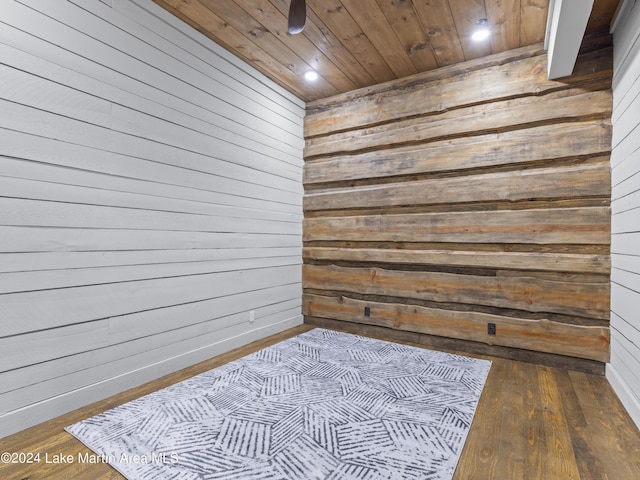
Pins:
<point x="97" y="39"/>
<point x="624" y="56"/>
<point x="151" y="197"/>
<point x="624" y="361"/>
<point x="47" y="239"/>
<point x="150" y="329"/>
<point x="630" y="332"/>
<point x="104" y="25"/>
<point x="625" y="244"/>
<point x="625" y="223"/>
<point x="624" y="297"/>
<point x="43" y="261"/>
<point x="53" y="76"/>
<point x="107" y="349"/>
<point x="52" y="279"/>
<point x="626" y="203"/>
<point x="626" y="177"/>
<point x="223" y="341"/>
<point x="24" y="89"/>
<point x="625" y="170"/>
<point x="627" y="147"/>
<point x="48" y="190"/>
<point x="37" y="347"/>
<point x="33" y="311"/>
<point x="33" y="213"/>
<point x="29" y="120"/>
<point x="143" y="327"/>
<point x="188" y="339"/>
<point x="34" y="157"/>
<point x="28" y="213"/>
<point x="195" y="47"/>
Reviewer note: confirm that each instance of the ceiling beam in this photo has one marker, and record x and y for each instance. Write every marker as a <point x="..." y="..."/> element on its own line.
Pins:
<point x="566" y="24"/>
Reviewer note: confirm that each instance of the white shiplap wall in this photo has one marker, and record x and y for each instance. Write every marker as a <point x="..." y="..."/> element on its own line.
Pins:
<point x="624" y="369"/>
<point x="150" y="198"/>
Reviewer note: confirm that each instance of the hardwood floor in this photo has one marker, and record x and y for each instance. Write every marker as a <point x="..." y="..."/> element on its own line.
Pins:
<point x="533" y="422"/>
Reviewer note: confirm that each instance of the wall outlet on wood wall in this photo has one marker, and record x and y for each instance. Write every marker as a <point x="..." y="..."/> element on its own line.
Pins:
<point x="491" y="328"/>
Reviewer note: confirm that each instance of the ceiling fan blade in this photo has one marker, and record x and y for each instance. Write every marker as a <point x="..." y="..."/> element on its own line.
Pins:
<point x="297" y="16"/>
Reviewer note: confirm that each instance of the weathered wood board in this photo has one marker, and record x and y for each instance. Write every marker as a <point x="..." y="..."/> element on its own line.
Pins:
<point x="541" y="335"/>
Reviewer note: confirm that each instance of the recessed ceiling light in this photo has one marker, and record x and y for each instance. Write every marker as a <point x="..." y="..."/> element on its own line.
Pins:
<point x="311" y="76"/>
<point x="482" y="32"/>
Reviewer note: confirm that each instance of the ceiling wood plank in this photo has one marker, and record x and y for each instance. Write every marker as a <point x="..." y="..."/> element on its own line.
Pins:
<point x="275" y="22"/>
<point x="258" y="36"/>
<point x="504" y="21"/>
<point x="436" y="19"/>
<point x="221" y="32"/>
<point x="382" y="36"/>
<point x="338" y="20"/>
<point x="206" y="21"/>
<point x="533" y="29"/>
<point x="465" y="15"/>
<point x="404" y="21"/>
<point x="326" y="41"/>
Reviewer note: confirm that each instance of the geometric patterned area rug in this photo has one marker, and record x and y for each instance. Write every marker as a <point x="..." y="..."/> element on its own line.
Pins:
<point x="322" y="405"/>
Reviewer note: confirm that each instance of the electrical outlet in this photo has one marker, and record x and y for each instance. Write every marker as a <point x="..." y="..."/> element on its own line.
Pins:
<point x="367" y="311"/>
<point x="252" y="316"/>
<point x="491" y="328"/>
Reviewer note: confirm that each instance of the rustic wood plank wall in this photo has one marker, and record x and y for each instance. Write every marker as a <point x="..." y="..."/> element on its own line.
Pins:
<point x="473" y="194"/>
<point x="624" y="369"/>
<point x="150" y="199"/>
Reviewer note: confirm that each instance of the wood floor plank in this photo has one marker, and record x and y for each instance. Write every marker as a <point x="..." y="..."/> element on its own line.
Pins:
<point x="589" y="465"/>
<point x="535" y="441"/>
<point x="511" y="439"/>
<point x="559" y="452"/>
<point x="480" y="454"/>
<point x="611" y="438"/>
<point x="532" y="422"/>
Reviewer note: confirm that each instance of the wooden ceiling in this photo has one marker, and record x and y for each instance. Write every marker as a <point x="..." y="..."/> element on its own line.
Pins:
<point x="358" y="43"/>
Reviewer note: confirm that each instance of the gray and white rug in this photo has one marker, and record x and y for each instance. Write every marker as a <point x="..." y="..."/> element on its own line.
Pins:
<point x="322" y="405"/>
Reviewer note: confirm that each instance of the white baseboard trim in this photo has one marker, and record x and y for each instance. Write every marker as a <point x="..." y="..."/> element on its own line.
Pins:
<point x="628" y="399"/>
